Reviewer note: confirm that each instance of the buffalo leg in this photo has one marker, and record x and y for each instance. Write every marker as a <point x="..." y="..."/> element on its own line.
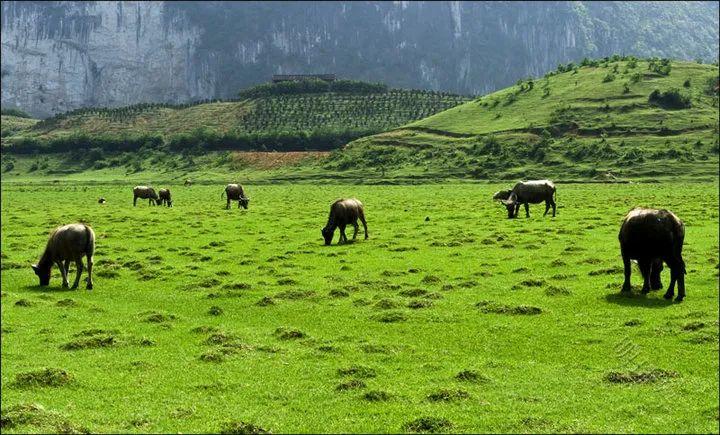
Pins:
<point x="677" y="274"/>
<point x="89" y="267"/>
<point x="547" y="208"/>
<point x="645" y="270"/>
<point x="134" y="201"/>
<point x="355" y="227"/>
<point x="79" y="266"/>
<point x="227" y="207"/>
<point x="628" y="271"/>
<point x="362" y="219"/>
<point x="63" y="272"/>
<point x="552" y="203"/>
<point x="343" y="236"/>
<point x="67" y="267"/>
<point x="655" y="268"/>
<point x="515" y="211"/>
<point x="671" y="288"/>
<point x="527" y="210"/>
<point x="681" y="285"/>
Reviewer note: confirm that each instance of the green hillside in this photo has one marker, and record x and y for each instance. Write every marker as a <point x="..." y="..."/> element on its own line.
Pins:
<point x="277" y="120"/>
<point x="594" y="120"/>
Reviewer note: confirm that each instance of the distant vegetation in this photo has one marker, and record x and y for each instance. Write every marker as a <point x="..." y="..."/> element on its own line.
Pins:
<point x="286" y="116"/>
<point x="15" y="112"/>
<point x="312" y="86"/>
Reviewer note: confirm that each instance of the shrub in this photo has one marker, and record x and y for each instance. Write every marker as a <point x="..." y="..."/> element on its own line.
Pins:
<point x="687" y="83"/>
<point x="671" y="99"/>
<point x="15" y="112"/>
<point x="608" y="78"/>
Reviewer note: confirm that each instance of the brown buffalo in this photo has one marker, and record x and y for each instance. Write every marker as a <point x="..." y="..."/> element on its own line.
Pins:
<point x="144" y="192"/>
<point x="235" y="192"/>
<point x="344" y="212"/>
<point x="528" y="192"/>
<point x="652" y="237"/>
<point x="164" y="197"/>
<point x="66" y="243"/>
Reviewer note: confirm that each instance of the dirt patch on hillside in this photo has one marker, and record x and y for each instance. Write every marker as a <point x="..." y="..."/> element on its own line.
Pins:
<point x="270" y="160"/>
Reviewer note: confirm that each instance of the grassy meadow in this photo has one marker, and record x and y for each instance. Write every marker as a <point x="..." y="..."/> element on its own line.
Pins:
<point x="450" y="318"/>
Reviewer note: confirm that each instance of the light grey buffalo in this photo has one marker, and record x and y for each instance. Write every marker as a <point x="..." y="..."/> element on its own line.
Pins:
<point x="528" y="192"/>
<point x="164" y="197"/>
<point x="235" y="192"/>
<point x="67" y="243"/>
<point x="144" y="192"/>
<point x="652" y="237"/>
<point x="344" y="212"/>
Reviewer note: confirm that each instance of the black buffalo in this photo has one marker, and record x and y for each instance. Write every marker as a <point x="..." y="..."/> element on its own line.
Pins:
<point x="164" y="197"/>
<point x="235" y="192"/>
<point x="344" y="212"/>
<point x="652" y="237"/>
<point x="528" y="192"/>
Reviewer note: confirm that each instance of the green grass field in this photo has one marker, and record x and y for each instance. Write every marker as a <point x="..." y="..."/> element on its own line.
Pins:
<point x="450" y="318"/>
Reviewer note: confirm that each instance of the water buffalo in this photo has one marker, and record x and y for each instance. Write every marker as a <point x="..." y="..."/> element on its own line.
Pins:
<point x="652" y="237"/>
<point x="344" y="212"/>
<point x="144" y="192"/>
<point x="66" y="243"/>
<point x="528" y="192"/>
<point x="101" y="201"/>
<point x="188" y="182"/>
<point x="164" y="197"/>
<point x="235" y="192"/>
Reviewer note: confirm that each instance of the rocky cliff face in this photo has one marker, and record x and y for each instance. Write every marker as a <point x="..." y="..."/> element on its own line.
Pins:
<point x="62" y="55"/>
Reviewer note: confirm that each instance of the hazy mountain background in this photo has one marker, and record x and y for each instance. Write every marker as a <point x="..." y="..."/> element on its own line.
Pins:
<point x="58" y="56"/>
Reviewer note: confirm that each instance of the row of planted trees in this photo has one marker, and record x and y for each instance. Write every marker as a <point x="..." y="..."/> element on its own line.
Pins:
<point x="199" y="139"/>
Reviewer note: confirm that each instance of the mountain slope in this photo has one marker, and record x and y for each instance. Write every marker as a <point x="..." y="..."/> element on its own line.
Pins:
<point x="589" y="121"/>
<point x="59" y="56"/>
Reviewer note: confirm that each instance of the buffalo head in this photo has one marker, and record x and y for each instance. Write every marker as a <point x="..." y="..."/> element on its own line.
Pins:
<point x="43" y="274"/>
<point x="327" y="234"/>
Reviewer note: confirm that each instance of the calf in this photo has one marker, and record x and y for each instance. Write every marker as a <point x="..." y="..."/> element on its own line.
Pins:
<point x="652" y="237"/>
<point x="344" y="212"/>
<point x="66" y="243"/>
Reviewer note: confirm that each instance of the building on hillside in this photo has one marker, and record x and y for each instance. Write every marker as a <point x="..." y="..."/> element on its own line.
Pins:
<point x="298" y="77"/>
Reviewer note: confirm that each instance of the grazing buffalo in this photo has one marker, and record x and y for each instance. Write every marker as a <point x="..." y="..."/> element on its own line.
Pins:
<point x="188" y="182"/>
<point x="164" y="197"/>
<point x="528" y="192"/>
<point x="235" y="192"/>
<point x="144" y="192"/>
<point x="66" y="243"/>
<point x="101" y="201"/>
<point x="652" y="237"/>
<point x="344" y="212"/>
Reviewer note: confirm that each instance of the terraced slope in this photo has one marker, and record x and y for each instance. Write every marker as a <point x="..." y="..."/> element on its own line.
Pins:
<point x="369" y="113"/>
<point x="595" y="121"/>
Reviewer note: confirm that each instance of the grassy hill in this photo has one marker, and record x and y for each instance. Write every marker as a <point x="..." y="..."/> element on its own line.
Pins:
<point x="594" y="120"/>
